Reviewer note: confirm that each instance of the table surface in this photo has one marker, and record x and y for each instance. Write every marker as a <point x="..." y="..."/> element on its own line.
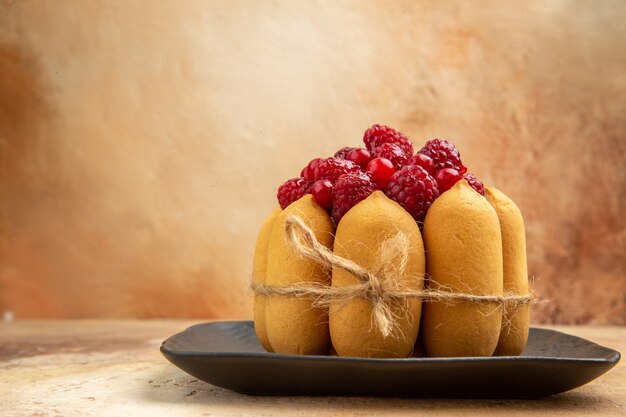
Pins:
<point x="114" y="368"/>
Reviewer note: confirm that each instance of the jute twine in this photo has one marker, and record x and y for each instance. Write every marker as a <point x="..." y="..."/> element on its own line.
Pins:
<point x="380" y="285"/>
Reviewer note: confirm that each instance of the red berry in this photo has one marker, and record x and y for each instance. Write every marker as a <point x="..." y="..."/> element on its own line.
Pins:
<point x="446" y="178"/>
<point x="424" y="161"/>
<point x="308" y="171"/>
<point x="381" y="170"/>
<point x="392" y="152"/>
<point x="414" y="189"/>
<point x="348" y="191"/>
<point x="333" y="168"/>
<point x="444" y="154"/>
<point x="362" y="174"/>
<point x="475" y="183"/>
<point x="322" y="192"/>
<point x="359" y="156"/>
<point x="343" y="152"/>
<point x="379" y="134"/>
<point x="292" y="190"/>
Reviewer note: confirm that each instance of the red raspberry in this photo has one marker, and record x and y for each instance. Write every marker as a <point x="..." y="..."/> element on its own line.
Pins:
<point x="392" y="152"/>
<point x="424" y="161"/>
<point x="359" y="156"/>
<point x="343" y="152"/>
<point x="361" y="174"/>
<point x="379" y="134"/>
<point x="348" y="191"/>
<point x="413" y="189"/>
<point x="292" y="190"/>
<point x="446" y="178"/>
<point x="322" y="192"/>
<point x="381" y="170"/>
<point x="475" y="183"/>
<point x="444" y="154"/>
<point x="333" y="168"/>
<point x="308" y="171"/>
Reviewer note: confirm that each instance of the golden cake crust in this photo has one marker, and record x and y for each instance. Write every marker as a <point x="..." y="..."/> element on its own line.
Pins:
<point x="516" y="321"/>
<point x="464" y="254"/>
<point x="259" y="272"/>
<point x="358" y="237"/>
<point x="293" y="325"/>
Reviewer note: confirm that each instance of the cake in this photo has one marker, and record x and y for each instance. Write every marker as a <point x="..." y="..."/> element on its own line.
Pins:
<point x="378" y="250"/>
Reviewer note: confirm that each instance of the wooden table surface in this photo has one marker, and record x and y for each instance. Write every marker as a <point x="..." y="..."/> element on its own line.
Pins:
<point x="114" y="368"/>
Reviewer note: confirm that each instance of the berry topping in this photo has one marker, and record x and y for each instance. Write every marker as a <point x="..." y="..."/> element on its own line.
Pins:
<point x="414" y="189"/>
<point x="386" y="163"/>
<point x="392" y="152"/>
<point x="348" y="191"/>
<point x="379" y="134"/>
<point x="444" y="154"/>
<point x="424" y="161"/>
<point x="343" y="152"/>
<point x="322" y="192"/>
<point x="381" y="170"/>
<point x="359" y="156"/>
<point x="475" y="183"/>
<point x="333" y="168"/>
<point x="308" y="172"/>
<point x="446" y="178"/>
<point x="292" y="190"/>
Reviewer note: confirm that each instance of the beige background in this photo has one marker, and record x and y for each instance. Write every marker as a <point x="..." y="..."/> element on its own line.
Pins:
<point x="141" y="143"/>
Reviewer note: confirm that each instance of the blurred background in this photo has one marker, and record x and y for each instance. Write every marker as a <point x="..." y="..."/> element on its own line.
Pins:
<point x="142" y="142"/>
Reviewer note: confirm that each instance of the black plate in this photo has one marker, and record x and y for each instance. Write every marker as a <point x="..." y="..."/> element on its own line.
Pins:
<point x="227" y="354"/>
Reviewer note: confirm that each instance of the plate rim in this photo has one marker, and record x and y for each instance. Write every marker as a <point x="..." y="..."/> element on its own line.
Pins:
<point x="613" y="360"/>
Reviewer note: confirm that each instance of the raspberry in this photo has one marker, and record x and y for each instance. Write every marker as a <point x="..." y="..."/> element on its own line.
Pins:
<point x="413" y="189"/>
<point x="444" y="154"/>
<point x="424" y="161"/>
<point x="446" y="178"/>
<point x="392" y="152"/>
<point x="308" y="172"/>
<point x="379" y="134"/>
<point x="343" y="152"/>
<point x="349" y="190"/>
<point x="364" y="175"/>
<point x="292" y="190"/>
<point x="333" y="168"/>
<point x="381" y="170"/>
<point x="322" y="192"/>
<point x="359" y="156"/>
<point x="475" y="183"/>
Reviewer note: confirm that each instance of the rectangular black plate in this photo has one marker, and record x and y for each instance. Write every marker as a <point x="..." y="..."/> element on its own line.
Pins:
<point x="227" y="354"/>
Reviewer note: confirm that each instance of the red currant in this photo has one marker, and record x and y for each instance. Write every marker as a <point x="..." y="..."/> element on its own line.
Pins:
<point x="308" y="172"/>
<point x="446" y="178"/>
<point x="381" y="170"/>
<point x="322" y="192"/>
<point x="360" y="156"/>
<point x="424" y="161"/>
